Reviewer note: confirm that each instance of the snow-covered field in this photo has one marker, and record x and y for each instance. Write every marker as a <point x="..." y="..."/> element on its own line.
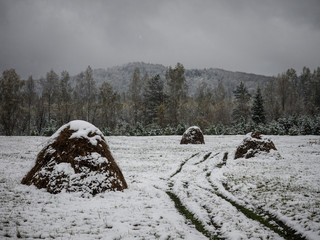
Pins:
<point x="175" y="192"/>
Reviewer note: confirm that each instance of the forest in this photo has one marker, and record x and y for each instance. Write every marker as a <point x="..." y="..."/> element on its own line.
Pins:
<point x="288" y="104"/>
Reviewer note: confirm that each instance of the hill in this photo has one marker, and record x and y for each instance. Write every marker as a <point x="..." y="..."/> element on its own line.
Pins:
<point x="119" y="77"/>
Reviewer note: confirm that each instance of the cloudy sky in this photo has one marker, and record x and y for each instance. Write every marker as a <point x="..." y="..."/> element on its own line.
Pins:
<point x="258" y="36"/>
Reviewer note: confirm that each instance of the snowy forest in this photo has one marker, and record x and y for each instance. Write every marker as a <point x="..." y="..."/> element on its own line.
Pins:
<point x="287" y="104"/>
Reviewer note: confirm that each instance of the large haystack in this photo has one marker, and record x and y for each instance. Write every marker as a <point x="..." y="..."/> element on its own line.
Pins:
<point x="76" y="159"/>
<point x="193" y="135"/>
<point x="253" y="144"/>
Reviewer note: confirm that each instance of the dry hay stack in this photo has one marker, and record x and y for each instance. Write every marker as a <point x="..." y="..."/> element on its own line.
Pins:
<point x="253" y="143"/>
<point x="76" y="159"/>
<point x="193" y="135"/>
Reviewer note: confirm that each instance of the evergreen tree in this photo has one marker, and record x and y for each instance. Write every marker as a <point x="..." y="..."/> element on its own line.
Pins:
<point x="258" y="115"/>
<point x="77" y="98"/>
<point x="40" y="115"/>
<point x="135" y="89"/>
<point x="222" y="105"/>
<point x="316" y="90"/>
<point x="85" y="96"/>
<point x="305" y="85"/>
<point x="272" y="107"/>
<point x="294" y="100"/>
<point x="90" y="94"/>
<point x="153" y="97"/>
<point x="108" y="106"/>
<point x="10" y="100"/>
<point x="203" y="99"/>
<point x="65" y="93"/>
<point x="177" y="92"/>
<point x="49" y="91"/>
<point x="29" y="95"/>
<point x="242" y="99"/>
<point x="161" y="115"/>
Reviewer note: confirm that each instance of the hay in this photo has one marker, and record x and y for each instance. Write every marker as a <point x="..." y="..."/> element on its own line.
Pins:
<point x="253" y="144"/>
<point x="193" y="135"/>
<point x="76" y="159"/>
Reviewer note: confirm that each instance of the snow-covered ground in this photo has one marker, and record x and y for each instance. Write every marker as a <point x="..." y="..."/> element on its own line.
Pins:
<point x="227" y="199"/>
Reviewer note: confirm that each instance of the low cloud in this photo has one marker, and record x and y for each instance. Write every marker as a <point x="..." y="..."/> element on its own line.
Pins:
<point x="264" y="37"/>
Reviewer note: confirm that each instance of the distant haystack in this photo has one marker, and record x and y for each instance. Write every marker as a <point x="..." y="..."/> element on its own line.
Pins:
<point x="76" y="159"/>
<point x="253" y="143"/>
<point x="193" y="135"/>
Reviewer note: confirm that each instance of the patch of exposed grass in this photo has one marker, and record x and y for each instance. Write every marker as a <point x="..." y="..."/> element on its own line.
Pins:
<point x="18" y="234"/>
<point x="190" y="216"/>
<point x="271" y="222"/>
<point x="183" y="163"/>
<point x="205" y="157"/>
<point x="224" y="160"/>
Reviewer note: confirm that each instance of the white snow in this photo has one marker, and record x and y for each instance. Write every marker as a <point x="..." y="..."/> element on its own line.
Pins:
<point x="81" y="129"/>
<point x="191" y="131"/>
<point x="64" y="167"/>
<point x="192" y="128"/>
<point x="287" y="187"/>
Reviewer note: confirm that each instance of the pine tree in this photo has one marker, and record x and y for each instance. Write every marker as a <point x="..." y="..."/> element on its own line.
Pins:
<point x="305" y="85"/>
<point x="10" y="100"/>
<point x="65" y="93"/>
<point x="242" y="98"/>
<point x="316" y="89"/>
<point x="222" y="106"/>
<point x="258" y="115"/>
<point x="177" y="92"/>
<point x="108" y="106"/>
<point x="271" y="104"/>
<point x="90" y="94"/>
<point x="40" y="115"/>
<point x="29" y="95"/>
<point x="49" y="91"/>
<point x="135" y="89"/>
<point x="153" y="97"/>
<point x="85" y="95"/>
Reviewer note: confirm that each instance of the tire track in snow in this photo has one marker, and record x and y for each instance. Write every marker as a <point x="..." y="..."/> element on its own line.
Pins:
<point x="261" y="216"/>
<point x="182" y="164"/>
<point x="182" y="209"/>
<point x="191" y="217"/>
<point x="271" y="222"/>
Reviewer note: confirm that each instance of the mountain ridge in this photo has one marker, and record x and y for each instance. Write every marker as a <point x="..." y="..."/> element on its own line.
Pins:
<point x="119" y="77"/>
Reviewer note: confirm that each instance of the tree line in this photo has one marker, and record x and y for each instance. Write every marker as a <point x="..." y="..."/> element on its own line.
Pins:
<point x="287" y="104"/>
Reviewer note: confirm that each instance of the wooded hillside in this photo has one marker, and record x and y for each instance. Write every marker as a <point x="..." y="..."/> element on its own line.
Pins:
<point x="149" y="99"/>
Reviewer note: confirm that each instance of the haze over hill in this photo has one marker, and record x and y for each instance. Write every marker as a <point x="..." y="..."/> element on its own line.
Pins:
<point x="119" y="77"/>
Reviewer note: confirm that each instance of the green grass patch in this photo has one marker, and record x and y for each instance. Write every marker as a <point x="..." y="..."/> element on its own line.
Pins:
<point x="278" y="226"/>
<point x="190" y="216"/>
<point x="183" y="163"/>
<point x="205" y="157"/>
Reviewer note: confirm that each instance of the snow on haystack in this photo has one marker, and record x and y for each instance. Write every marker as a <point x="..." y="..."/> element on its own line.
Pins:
<point x="193" y="135"/>
<point x="253" y="144"/>
<point x="76" y="159"/>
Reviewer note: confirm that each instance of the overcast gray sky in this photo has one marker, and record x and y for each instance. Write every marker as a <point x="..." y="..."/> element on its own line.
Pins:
<point x="258" y="36"/>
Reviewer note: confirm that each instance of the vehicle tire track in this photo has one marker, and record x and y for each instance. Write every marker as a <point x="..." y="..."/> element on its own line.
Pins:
<point x="272" y="222"/>
<point x="260" y="215"/>
<point x="183" y="210"/>
<point x="182" y="164"/>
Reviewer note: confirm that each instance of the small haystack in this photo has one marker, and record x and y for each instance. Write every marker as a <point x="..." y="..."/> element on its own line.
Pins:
<point x="253" y="143"/>
<point x="76" y="159"/>
<point x="193" y="135"/>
